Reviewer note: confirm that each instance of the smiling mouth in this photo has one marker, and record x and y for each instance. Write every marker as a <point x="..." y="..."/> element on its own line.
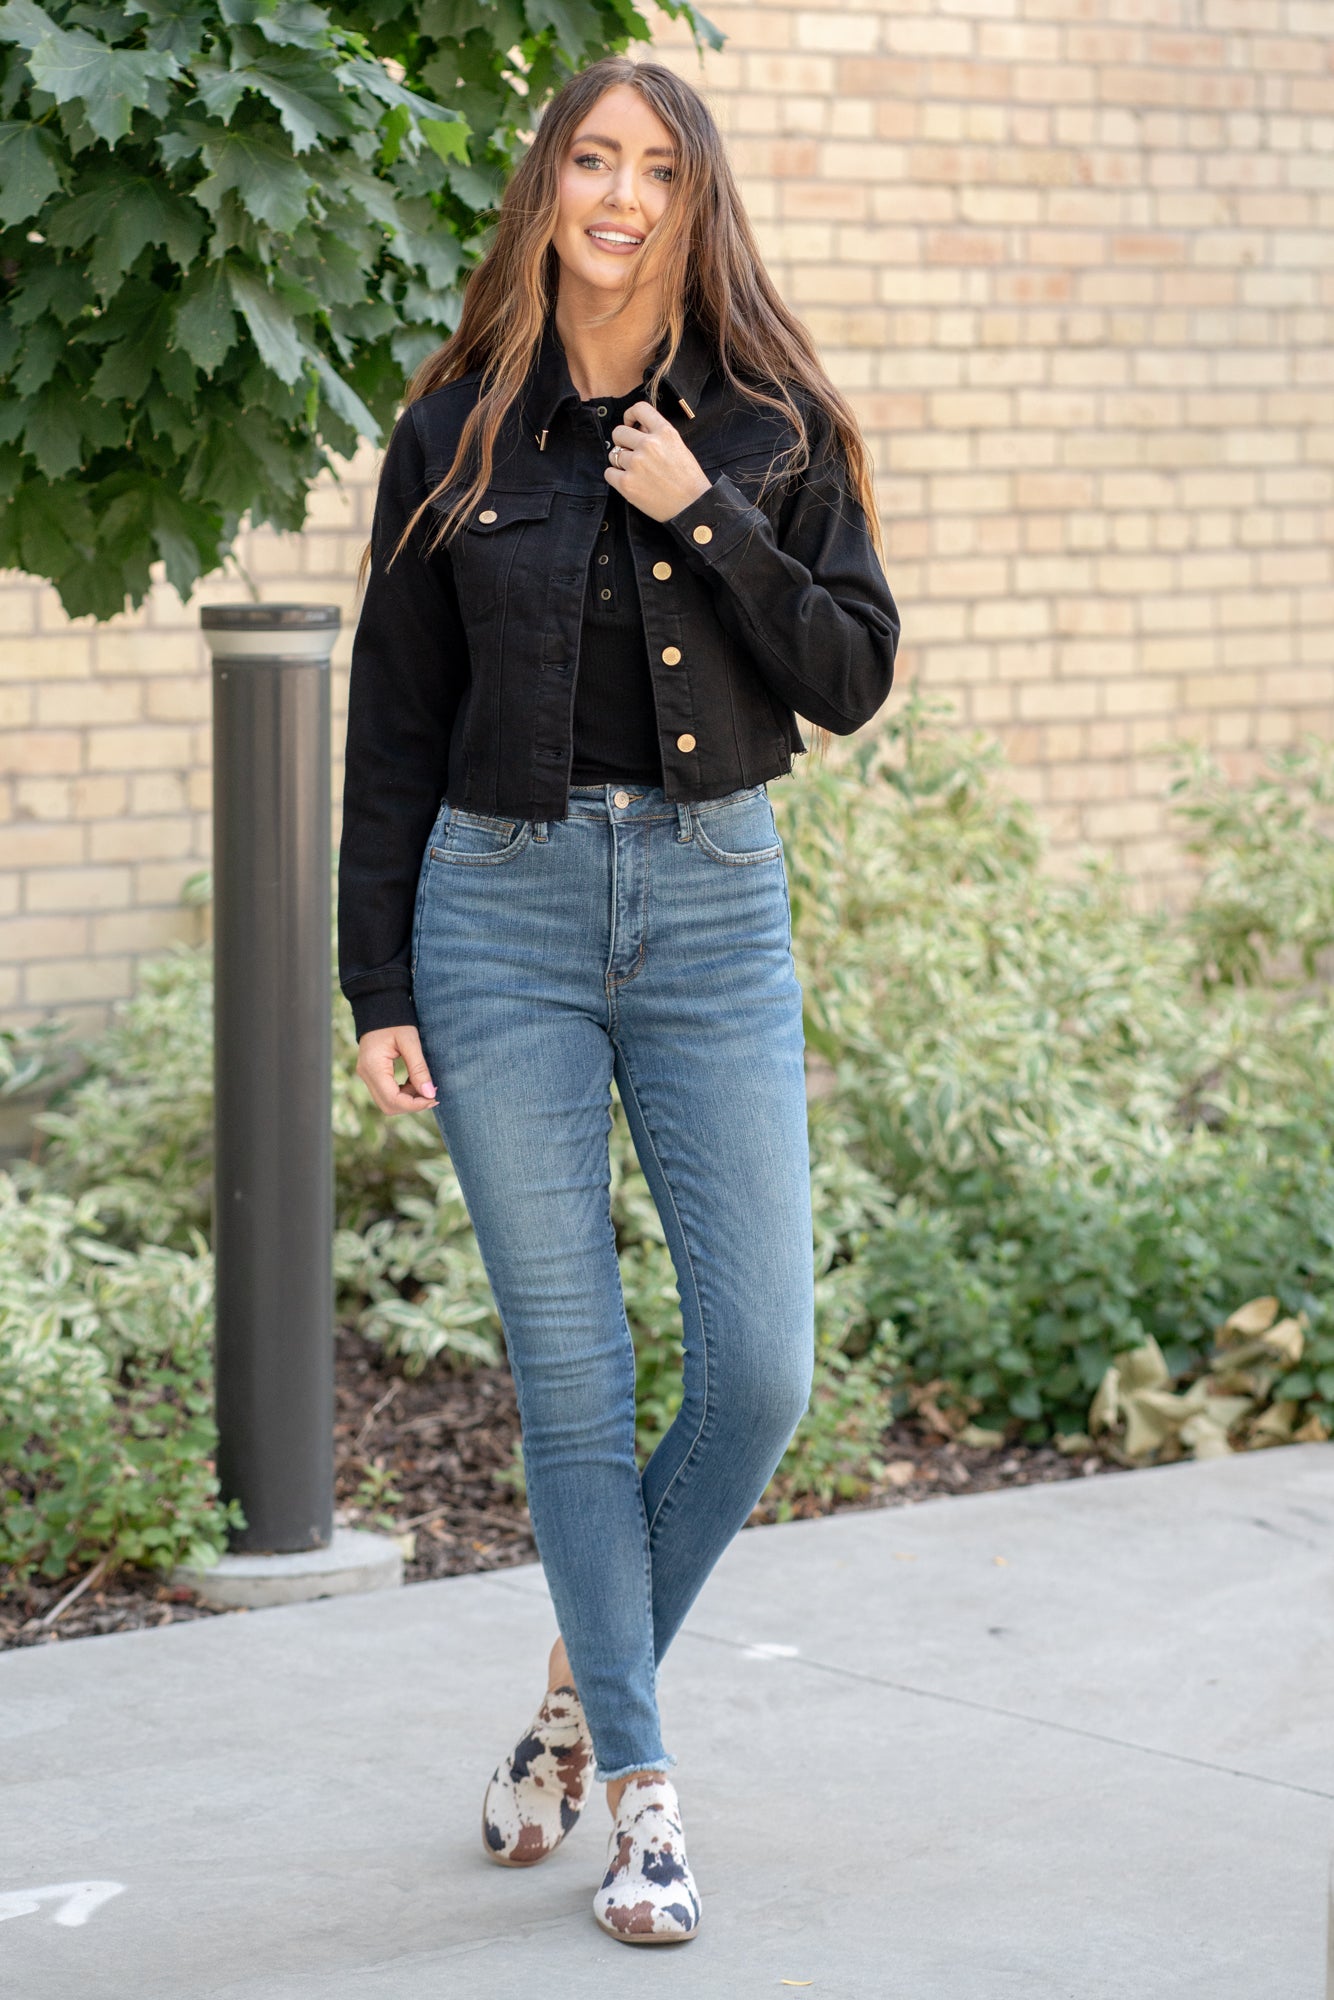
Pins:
<point x="620" y="240"/>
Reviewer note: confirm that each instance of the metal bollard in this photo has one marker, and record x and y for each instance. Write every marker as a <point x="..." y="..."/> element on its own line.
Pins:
<point x="273" y="1148"/>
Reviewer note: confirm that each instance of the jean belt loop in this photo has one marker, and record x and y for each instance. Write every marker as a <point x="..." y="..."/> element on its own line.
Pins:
<point x="539" y="829"/>
<point x="684" y="827"/>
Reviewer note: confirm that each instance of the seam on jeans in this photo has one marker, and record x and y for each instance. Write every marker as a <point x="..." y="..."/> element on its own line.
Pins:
<point x="694" y="1286"/>
<point x="738" y="796"/>
<point x="538" y="1515"/>
<point x="650" y="1648"/>
<point x="649" y="819"/>
<point x="419" y="906"/>
<point x="638" y="965"/>
<point x="500" y="854"/>
<point x="755" y="858"/>
<point x="608" y="983"/>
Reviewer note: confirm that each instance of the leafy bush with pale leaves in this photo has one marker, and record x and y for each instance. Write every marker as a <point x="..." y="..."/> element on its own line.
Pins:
<point x="1089" y="1144"/>
<point x="106" y="1426"/>
<point x="1267" y="897"/>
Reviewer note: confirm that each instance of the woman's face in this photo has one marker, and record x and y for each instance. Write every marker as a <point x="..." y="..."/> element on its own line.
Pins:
<point x="615" y="183"/>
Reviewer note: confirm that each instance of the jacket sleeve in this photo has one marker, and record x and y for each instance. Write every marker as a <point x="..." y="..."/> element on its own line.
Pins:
<point x="805" y="593"/>
<point x="409" y="670"/>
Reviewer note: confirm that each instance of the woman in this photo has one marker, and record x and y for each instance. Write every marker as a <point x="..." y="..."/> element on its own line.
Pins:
<point x="621" y="540"/>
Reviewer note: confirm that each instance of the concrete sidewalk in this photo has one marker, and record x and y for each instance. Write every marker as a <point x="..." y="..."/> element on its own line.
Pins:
<point x="1063" y="1741"/>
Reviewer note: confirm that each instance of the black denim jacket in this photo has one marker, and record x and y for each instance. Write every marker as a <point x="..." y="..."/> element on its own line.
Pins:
<point x="761" y="601"/>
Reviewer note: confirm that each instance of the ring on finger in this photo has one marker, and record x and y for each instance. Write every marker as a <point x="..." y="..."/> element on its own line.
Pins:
<point x="614" y="453"/>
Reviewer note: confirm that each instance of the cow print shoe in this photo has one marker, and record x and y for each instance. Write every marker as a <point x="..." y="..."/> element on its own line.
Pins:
<point x="648" y="1893"/>
<point x="538" y="1792"/>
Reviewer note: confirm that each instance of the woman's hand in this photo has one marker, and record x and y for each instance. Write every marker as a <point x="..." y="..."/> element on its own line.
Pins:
<point x="657" y="472"/>
<point x="376" y="1052"/>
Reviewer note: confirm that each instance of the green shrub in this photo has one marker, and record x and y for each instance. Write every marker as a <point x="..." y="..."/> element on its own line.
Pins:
<point x="132" y="1133"/>
<point x="1268" y="888"/>
<point x="413" y="1280"/>
<point x="1087" y="1143"/>
<point x="106" y="1430"/>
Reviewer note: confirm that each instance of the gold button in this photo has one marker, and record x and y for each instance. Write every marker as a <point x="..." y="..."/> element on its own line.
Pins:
<point x="662" y="571"/>
<point x="488" y="514"/>
<point x="702" y="534"/>
<point x="686" y="742"/>
<point x="620" y="798"/>
<point x="603" y="529"/>
<point x="604" y="595"/>
<point x="671" y="656"/>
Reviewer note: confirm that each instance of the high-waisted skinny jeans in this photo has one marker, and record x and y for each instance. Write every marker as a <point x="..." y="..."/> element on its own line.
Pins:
<point x="650" y="942"/>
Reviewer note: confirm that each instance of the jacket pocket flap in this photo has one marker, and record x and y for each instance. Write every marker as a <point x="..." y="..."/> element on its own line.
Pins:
<point x="497" y="511"/>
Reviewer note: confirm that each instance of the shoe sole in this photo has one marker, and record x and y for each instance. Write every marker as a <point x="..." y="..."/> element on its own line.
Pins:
<point x="645" y="1937"/>
<point x="508" y="1861"/>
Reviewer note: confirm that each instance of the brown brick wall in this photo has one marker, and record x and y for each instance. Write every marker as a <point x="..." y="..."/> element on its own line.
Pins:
<point x="1074" y="262"/>
<point x="105" y="778"/>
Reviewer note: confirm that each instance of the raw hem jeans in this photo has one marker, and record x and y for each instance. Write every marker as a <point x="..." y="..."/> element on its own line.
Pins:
<point x="649" y="942"/>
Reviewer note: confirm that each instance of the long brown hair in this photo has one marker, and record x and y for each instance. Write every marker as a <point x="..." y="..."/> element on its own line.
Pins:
<point x="705" y="258"/>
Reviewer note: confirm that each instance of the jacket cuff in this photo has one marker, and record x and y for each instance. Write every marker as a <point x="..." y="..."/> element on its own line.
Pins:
<point x="386" y="1007"/>
<point x="710" y="527"/>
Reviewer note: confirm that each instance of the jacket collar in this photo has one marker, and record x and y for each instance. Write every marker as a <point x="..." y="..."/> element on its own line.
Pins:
<point x="550" y="387"/>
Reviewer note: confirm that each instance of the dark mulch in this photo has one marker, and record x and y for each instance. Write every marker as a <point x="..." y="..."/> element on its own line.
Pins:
<point x="441" y="1439"/>
<point x="424" y="1453"/>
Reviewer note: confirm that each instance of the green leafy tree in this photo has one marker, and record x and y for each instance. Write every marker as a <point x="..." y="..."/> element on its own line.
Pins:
<point x="228" y="230"/>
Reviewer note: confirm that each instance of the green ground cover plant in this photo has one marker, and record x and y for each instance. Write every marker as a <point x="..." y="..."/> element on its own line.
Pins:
<point x="1072" y="1167"/>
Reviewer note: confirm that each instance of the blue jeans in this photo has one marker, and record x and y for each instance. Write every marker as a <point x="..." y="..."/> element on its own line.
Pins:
<point x="650" y="942"/>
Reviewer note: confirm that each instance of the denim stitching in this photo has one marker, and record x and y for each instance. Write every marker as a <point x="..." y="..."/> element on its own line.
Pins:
<point x="665" y="1763"/>
<point x="638" y="965"/>
<point x="748" y="859"/>
<point x="537" y="1513"/>
<point x="643" y="1513"/>
<point x="423" y="876"/>
<point x="694" y="1286"/>
<point x="501" y="855"/>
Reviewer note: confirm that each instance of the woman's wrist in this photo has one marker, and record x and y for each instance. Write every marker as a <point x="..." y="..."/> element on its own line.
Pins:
<point x="389" y="1007"/>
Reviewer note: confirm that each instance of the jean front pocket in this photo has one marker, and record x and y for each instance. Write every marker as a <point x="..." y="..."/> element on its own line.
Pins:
<point x="737" y="831"/>
<point x="480" y="840"/>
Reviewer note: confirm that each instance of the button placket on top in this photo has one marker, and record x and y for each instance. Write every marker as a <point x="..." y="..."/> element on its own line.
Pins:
<point x="668" y="664"/>
<point x="659" y="606"/>
<point x="610" y="586"/>
<point x="604" y="562"/>
<point x="553" y="711"/>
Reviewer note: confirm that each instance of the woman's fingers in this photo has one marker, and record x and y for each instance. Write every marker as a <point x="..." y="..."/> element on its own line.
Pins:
<point x="419" y="1076"/>
<point x="377" y="1053"/>
<point x="657" y="471"/>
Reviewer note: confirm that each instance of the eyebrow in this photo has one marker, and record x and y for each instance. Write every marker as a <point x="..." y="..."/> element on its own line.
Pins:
<point x="614" y="145"/>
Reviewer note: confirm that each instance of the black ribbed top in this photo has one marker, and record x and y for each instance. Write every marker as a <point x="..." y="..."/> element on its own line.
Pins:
<point x="615" y="722"/>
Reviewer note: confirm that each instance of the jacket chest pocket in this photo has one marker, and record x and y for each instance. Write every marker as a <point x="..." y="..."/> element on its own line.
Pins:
<point x="502" y="548"/>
